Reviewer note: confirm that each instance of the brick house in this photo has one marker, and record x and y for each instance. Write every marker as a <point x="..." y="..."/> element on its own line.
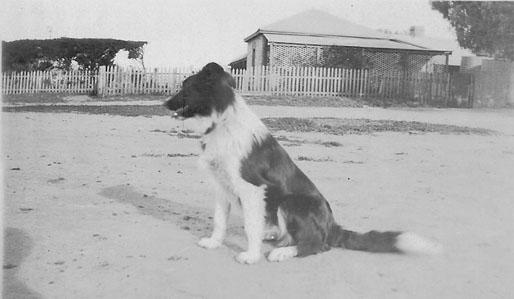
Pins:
<point x="316" y="38"/>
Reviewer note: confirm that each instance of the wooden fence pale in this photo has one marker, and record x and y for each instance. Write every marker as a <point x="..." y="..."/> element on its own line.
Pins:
<point x="294" y="81"/>
<point x="313" y="81"/>
<point x="117" y="81"/>
<point x="49" y="81"/>
<point x="307" y="81"/>
<point x="106" y="81"/>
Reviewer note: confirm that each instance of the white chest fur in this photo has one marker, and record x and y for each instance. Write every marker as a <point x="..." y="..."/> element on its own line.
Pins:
<point x="235" y="132"/>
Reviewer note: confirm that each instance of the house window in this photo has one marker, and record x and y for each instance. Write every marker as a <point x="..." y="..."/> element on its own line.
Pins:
<point x="266" y="58"/>
<point x="253" y="57"/>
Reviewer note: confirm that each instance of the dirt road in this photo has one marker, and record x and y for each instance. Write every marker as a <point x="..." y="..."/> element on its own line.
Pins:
<point x="111" y="207"/>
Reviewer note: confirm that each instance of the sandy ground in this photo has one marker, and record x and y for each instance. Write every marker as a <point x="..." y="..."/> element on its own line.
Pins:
<point x="111" y="207"/>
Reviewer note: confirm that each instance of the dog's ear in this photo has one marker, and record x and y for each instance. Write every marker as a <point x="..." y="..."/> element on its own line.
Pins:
<point x="231" y="81"/>
<point x="212" y="70"/>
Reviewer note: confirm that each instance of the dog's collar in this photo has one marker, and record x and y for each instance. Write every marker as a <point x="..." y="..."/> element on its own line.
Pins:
<point x="210" y="129"/>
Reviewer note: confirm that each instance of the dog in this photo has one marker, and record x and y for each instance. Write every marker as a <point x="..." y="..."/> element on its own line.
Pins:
<point x="251" y="170"/>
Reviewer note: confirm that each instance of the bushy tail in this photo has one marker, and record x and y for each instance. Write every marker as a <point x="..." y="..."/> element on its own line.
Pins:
<point x="374" y="241"/>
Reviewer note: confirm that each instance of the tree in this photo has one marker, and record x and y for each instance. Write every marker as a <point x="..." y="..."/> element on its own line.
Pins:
<point x="482" y="27"/>
<point x="27" y="55"/>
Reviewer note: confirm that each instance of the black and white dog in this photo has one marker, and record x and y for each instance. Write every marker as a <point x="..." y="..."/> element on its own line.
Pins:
<point x="250" y="169"/>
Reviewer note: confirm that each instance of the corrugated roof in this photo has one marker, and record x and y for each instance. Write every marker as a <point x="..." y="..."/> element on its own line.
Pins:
<point x="319" y="22"/>
<point x="342" y="41"/>
<point x="239" y="59"/>
<point x="447" y="45"/>
<point x="320" y="28"/>
<point x="428" y="42"/>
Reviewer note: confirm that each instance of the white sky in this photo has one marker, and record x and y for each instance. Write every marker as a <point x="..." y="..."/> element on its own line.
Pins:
<point x="194" y="32"/>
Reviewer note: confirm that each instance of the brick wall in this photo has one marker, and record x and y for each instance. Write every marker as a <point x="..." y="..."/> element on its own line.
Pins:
<point x="310" y="55"/>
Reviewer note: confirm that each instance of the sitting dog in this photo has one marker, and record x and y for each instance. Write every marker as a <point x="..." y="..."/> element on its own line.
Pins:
<point x="251" y="170"/>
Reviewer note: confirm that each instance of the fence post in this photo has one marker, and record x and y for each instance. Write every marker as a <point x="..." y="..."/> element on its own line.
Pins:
<point x="471" y="89"/>
<point x="510" y="88"/>
<point x="272" y="78"/>
<point x="245" y="80"/>
<point x="100" y="83"/>
<point x="448" y="96"/>
<point x="4" y="81"/>
<point x="430" y="87"/>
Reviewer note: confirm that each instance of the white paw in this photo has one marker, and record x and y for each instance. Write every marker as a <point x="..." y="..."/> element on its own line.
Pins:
<point x="248" y="257"/>
<point x="209" y="243"/>
<point x="282" y="254"/>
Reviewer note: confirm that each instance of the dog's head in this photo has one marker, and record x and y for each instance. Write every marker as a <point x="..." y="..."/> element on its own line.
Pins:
<point x="202" y="94"/>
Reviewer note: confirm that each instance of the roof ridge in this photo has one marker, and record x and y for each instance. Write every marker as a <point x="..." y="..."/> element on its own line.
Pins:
<point x="316" y="21"/>
<point x="318" y="34"/>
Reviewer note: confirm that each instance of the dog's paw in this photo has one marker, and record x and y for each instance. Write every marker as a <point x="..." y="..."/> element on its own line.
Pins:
<point x="282" y="254"/>
<point x="248" y="257"/>
<point x="209" y="243"/>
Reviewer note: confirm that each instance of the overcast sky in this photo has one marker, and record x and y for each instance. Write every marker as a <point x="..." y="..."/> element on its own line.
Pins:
<point x="193" y="32"/>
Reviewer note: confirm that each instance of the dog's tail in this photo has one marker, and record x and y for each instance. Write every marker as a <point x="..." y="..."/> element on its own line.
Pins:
<point x="389" y="241"/>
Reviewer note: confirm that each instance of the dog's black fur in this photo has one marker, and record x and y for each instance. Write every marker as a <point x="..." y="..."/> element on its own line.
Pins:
<point x="308" y="216"/>
<point x="210" y="89"/>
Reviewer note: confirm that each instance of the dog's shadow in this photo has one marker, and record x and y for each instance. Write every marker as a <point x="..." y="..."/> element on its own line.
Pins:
<point x="196" y="220"/>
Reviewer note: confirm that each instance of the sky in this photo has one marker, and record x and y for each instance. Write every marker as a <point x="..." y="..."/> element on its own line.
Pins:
<point x="194" y="32"/>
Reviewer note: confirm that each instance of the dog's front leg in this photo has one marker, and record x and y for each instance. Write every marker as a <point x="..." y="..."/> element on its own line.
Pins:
<point x="253" y="206"/>
<point x="221" y="212"/>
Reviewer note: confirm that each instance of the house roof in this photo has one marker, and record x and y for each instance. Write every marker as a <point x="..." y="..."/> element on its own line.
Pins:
<point x="449" y="45"/>
<point x="319" y="22"/>
<point x="321" y="28"/>
<point x="344" y="41"/>
<point x="427" y="42"/>
<point x="239" y="59"/>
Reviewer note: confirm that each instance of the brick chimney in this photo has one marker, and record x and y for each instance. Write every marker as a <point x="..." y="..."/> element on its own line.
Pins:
<point x="417" y="31"/>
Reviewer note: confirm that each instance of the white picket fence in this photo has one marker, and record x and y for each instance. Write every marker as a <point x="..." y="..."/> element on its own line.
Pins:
<point x="302" y="81"/>
<point x="117" y="81"/>
<point x="111" y="81"/>
<point x="306" y="81"/>
<point x="107" y="81"/>
<point x="49" y="81"/>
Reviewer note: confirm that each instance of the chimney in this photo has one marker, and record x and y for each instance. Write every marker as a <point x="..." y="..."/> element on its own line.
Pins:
<point x="417" y="31"/>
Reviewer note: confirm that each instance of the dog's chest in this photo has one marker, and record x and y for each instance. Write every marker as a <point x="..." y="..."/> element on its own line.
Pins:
<point x="218" y="164"/>
<point x="221" y="157"/>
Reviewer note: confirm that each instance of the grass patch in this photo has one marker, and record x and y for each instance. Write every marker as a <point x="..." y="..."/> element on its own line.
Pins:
<point x="179" y="134"/>
<point x="302" y="101"/>
<point x="120" y="110"/>
<point x="297" y="142"/>
<point x="310" y="159"/>
<point x="343" y="126"/>
<point x="330" y="143"/>
<point x="174" y="155"/>
<point x="335" y="126"/>
<point x="181" y="155"/>
<point x="49" y="98"/>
